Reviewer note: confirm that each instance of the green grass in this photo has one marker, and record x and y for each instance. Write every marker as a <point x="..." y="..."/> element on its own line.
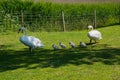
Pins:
<point x="99" y="61"/>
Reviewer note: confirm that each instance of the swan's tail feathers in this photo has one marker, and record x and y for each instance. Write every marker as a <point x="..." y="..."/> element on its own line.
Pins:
<point x="100" y="37"/>
<point x="41" y="45"/>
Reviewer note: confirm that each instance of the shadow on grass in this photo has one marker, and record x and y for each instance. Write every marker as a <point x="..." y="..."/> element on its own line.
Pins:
<point x="42" y="58"/>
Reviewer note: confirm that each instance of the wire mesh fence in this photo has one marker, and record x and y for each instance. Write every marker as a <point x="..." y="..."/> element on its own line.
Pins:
<point x="37" y="22"/>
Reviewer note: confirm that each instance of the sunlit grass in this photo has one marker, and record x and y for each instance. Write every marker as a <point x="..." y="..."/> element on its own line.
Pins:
<point x="99" y="61"/>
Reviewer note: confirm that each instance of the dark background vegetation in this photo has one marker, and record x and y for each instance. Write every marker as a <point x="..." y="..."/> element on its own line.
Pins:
<point x="46" y="15"/>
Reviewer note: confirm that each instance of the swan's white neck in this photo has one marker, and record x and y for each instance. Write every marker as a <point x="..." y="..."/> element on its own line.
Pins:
<point x="25" y="32"/>
<point x="90" y="27"/>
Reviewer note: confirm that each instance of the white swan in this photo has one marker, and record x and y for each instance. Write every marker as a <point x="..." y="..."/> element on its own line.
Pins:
<point x="94" y="34"/>
<point x="30" y="41"/>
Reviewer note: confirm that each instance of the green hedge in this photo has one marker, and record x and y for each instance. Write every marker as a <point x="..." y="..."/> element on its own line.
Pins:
<point x="77" y="15"/>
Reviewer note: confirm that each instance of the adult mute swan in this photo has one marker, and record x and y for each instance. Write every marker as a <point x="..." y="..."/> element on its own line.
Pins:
<point x="30" y="41"/>
<point x="94" y="34"/>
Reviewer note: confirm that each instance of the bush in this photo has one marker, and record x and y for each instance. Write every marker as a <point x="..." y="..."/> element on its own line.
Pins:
<point x="47" y="15"/>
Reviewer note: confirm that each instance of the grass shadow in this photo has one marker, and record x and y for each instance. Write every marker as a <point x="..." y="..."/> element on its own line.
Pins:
<point x="43" y="58"/>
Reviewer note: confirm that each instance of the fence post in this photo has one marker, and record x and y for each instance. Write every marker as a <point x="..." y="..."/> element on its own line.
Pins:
<point x="63" y="21"/>
<point x="94" y="19"/>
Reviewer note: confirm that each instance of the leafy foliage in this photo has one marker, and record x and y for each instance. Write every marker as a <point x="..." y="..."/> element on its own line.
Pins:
<point x="44" y="15"/>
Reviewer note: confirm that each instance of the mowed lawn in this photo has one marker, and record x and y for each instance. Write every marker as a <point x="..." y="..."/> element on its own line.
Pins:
<point x="99" y="61"/>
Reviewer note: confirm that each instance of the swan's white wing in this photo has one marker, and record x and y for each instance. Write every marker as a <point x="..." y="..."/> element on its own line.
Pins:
<point x="94" y="34"/>
<point x="37" y="42"/>
<point x="26" y="40"/>
<point x="31" y="41"/>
